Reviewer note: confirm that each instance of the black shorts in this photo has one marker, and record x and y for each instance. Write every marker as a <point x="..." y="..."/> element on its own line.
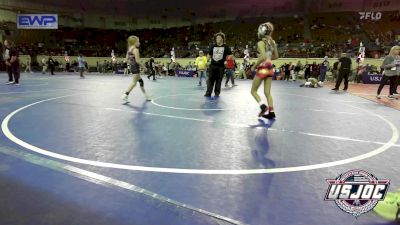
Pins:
<point x="135" y="69"/>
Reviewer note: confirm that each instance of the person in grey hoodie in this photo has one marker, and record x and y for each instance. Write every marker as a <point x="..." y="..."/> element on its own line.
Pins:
<point x="391" y="66"/>
<point x="81" y="65"/>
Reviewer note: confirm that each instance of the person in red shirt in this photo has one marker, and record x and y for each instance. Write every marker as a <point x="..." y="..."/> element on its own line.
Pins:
<point x="230" y="65"/>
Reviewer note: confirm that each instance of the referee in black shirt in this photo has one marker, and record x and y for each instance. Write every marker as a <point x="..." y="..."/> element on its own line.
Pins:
<point x="344" y="68"/>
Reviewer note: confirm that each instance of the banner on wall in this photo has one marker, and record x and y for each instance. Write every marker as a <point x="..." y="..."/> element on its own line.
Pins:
<point x="37" y="21"/>
<point x="184" y="73"/>
<point x="372" y="78"/>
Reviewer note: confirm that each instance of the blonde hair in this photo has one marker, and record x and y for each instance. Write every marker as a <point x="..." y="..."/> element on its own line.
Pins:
<point x="132" y="40"/>
<point x="394" y="48"/>
<point x="9" y="42"/>
<point x="265" y="30"/>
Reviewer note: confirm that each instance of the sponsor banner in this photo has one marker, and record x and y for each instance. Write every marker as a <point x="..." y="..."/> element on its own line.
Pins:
<point x="372" y="78"/>
<point x="184" y="73"/>
<point x="37" y="21"/>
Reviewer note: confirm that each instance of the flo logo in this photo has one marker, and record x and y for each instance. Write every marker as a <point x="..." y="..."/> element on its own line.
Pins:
<point x="370" y="15"/>
<point x="357" y="191"/>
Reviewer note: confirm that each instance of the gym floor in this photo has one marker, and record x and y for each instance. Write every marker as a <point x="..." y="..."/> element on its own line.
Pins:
<point x="72" y="152"/>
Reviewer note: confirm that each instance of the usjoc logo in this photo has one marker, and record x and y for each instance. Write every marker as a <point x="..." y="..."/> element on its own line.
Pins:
<point x="375" y="78"/>
<point x="37" y="21"/>
<point x="357" y="191"/>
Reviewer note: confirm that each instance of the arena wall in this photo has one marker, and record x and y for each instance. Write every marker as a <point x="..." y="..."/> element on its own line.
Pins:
<point x="185" y="61"/>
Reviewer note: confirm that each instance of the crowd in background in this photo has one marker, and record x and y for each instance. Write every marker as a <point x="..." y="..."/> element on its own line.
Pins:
<point x="316" y="35"/>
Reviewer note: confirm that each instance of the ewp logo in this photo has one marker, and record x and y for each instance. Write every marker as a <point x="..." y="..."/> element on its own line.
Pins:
<point x="37" y="21"/>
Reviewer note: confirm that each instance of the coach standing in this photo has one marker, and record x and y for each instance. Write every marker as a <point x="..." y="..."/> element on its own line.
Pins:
<point x="344" y="68"/>
<point x="12" y="63"/>
<point x="6" y="57"/>
<point x="218" y="53"/>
